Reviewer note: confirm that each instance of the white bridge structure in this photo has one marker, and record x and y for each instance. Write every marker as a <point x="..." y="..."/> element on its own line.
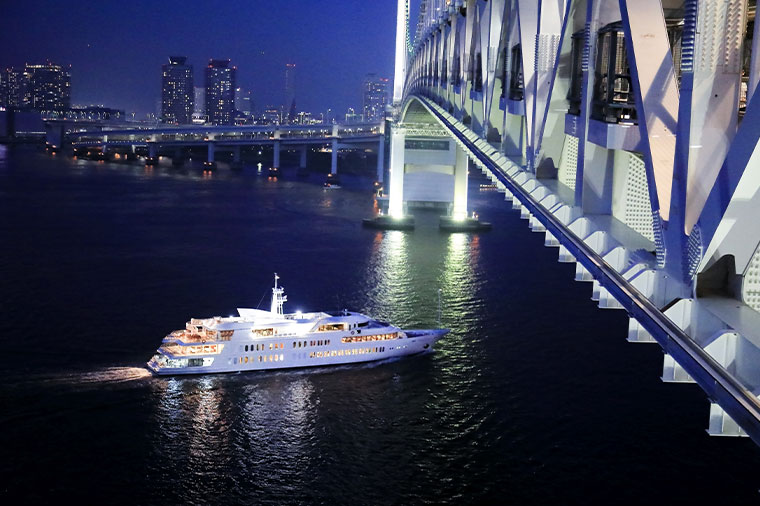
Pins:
<point x="626" y="132"/>
<point x="173" y="140"/>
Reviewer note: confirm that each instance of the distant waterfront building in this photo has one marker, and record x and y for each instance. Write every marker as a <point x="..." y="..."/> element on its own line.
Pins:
<point x="44" y="87"/>
<point x="290" y="91"/>
<point x="177" y="93"/>
<point x="220" y="92"/>
<point x="95" y="113"/>
<point x="12" y="89"/>
<point x="271" y="115"/>
<point x="353" y="117"/>
<point x="243" y="101"/>
<point x="374" y="97"/>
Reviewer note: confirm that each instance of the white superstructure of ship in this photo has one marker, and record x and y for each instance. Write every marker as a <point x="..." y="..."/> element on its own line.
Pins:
<point x="263" y="340"/>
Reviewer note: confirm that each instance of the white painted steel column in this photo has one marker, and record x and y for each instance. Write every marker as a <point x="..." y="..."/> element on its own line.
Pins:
<point x="396" y="196"/>
<point x="460" y="185"/>
<point x="399" y="76"/>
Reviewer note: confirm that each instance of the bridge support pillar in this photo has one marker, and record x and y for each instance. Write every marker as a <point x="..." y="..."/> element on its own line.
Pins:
<point x="334" y="157"/>
<point x="152" y="154"/>
<point x="276" y="156"/>
<point x="302" y="161"/>
<point x="236" y="154"/>
<point x="380" y="159"/>
<point x="396" y="194"/>
<point x="210" y="162"/>
<point x="460" y="185"/>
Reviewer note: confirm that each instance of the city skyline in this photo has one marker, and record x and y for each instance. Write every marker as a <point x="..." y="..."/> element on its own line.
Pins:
<point x="260" y="49"/>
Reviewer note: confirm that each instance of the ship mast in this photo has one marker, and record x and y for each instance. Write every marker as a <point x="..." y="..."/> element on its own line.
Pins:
<point x="278" y="297"/>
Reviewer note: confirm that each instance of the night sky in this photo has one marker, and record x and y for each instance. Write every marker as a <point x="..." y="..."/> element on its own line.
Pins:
<point x="116" y="49"/>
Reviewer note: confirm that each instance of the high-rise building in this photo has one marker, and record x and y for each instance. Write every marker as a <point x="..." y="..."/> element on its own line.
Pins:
<point x="177" y="93"/>
<point x="220" y="92"/>
<point x="290" y="91"/>
<point x="48" y="87"/>
<point x="243" y="101"/>
<point x="40" y="87"/>
<point x="12" y="89"/>
<point x="374" y="97"/>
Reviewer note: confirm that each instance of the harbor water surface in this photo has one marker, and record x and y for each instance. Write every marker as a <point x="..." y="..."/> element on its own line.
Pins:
<point x="534" y="397"/>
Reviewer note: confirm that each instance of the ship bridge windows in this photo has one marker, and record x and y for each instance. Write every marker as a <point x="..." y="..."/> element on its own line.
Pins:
<point x="206" y="349"/>
<point x="267" y="332"/>
<point x="331" y="327"/>
<point x="374" y="337"/>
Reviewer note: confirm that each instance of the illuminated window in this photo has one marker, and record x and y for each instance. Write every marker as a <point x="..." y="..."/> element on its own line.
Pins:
<point x="282" y="357"/>
<point x="246" y="359"/>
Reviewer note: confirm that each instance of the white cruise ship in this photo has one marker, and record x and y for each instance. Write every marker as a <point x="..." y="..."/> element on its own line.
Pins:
<point x="263" y="340"/>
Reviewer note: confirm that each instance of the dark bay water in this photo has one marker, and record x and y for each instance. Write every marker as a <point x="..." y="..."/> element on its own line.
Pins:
<point x="533" y="398"/>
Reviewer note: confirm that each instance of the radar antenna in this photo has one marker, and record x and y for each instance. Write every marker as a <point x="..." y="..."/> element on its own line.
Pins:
<point x="278" y="297"/>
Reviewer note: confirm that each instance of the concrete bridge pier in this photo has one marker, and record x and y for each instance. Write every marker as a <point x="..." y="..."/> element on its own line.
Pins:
<point x="334" y="158"/>
<point x="274" y="170"/>
<point x="396" y="190"/>
<point x="55" y="135"/>
<point x="333" y="178"/>
<point x="380" y="161"/>
<point x="459" y="211"/>
<point x="396" y="217"/>
<point x="152" y="154"/>
<point x="210" y="162"/>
